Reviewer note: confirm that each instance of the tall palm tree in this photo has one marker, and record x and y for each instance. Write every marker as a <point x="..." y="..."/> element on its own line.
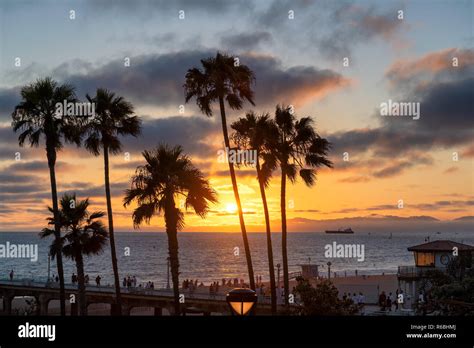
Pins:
<point x="166" y="176"/>
<point x="35" y="118"/>
<point x="113" y="118"/>
<point x="83" y="235"/>
<point x="297" y="149"/>
<point x="253" y="133"/>
<point x="222" y="80"/>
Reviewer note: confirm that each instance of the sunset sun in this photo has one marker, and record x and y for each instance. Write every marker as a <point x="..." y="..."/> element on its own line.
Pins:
<point x="231" y="207"/>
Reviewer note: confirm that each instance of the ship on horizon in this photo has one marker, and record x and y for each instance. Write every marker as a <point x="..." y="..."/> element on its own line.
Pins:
<point x="341" y="231"/>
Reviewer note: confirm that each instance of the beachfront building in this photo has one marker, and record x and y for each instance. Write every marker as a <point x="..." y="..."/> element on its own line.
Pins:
<point x="428" y="256"/>
<point x="309" y="271"/>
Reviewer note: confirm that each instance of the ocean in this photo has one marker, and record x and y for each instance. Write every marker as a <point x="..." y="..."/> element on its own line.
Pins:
<point x="212" y="256"/>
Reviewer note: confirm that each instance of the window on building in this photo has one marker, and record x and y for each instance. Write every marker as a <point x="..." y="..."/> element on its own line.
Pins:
<point x="424" y="259"/>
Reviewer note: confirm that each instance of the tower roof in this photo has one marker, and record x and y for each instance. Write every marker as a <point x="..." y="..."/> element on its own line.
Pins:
<point x="441" y="245"/>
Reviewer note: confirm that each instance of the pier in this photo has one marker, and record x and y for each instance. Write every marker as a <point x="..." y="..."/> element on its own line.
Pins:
<point x="158" y="299"/>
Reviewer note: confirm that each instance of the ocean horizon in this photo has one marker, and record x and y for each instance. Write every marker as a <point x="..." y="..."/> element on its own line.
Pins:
<point x="212" y="256"/>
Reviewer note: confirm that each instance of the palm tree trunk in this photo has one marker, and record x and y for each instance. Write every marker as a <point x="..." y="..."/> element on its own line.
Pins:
<point x="172" y="232"/>
<point x="118" y="299"/>
<point x="51" y="154"/>
<point x="269" y="239"/>
<point x="237" y="197"/>
<point x="81" y="283"/>
<point x="286" y="281"/>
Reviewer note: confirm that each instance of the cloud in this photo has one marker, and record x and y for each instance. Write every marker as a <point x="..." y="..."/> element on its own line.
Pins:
<point x="239" y="173"/>
<point x="149" y="7"/>
<point x="9" y="98"/>
<point x="354" y="179"/>
<point x="441" y="205"/>
<point x="194" y="133"/>
<point x="446" y="122"/>
<point x="26" y="167"/>
<point x="468" y="152"/>
<point x="451" y="170"/>
<point x="398" y="167"/>
<point x="425" y="67"/>
<point x="245" y="41"/>
<point x="332" y="28"/>
<point x="157" y="80"/>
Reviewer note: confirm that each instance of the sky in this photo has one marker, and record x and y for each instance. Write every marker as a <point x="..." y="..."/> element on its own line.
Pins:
<point x="402" y="51"/>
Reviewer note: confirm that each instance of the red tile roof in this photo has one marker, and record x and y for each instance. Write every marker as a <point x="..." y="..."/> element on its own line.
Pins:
<point x="441" y="245"/>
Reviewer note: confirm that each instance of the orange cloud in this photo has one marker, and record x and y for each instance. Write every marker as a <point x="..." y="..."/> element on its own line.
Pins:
<point x="430" y="63"/>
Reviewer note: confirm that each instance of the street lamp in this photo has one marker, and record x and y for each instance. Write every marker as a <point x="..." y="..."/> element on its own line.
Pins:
<point x="241" y="300"/>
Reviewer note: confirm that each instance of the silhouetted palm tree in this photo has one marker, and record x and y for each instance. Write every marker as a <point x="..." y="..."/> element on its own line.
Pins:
<point x="35" y="117"/>
<point x="253" y="133"/>
<point x="297" y="148"/>
<point x="169" y="175"/>
<point x="83" y="235"/>
<point x="223" y="80"/>
<point x="113" y="118"/>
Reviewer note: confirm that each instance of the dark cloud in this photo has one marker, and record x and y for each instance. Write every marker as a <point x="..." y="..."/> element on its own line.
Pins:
<point x="459" y="205"/>
<point x="245" y="41"/>
<point x="193" y="133"/>
<point x="153" y="7"/>
<point x="332" y="28"/>
<point x="116" y="188"/>
<point x="157" y="80"/>
<point x="7" y="178"/>
<point x="398" y="167"/>
<point x="354" y="179"/>
<point x="446" y="122"/>
<point x="9" y="98"/>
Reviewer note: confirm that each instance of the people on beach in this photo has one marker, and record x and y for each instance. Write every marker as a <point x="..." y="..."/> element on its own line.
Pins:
<point x="396" y="300"/>
<point x="382" y="301"/>
<point x="97" y="280"/>
<point x="74" y="278"/>
<point x="354" y="298"/>
<point x="11" y="275"/>
<point x="421" y="297"/>
<point x="389" y="302"/>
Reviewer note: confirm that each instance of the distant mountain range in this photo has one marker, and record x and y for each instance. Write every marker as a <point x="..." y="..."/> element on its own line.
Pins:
<point x="362" y="224"/>
<point x="385" y="223"/>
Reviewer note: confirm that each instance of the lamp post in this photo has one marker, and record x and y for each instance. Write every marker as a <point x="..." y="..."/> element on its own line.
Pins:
<point x="329" y="269"/>
<point x="168" y="273"/>
<point x="241" y="301"/>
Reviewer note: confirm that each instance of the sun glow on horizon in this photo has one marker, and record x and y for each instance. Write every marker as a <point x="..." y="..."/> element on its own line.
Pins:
<point x="231" y="208"/>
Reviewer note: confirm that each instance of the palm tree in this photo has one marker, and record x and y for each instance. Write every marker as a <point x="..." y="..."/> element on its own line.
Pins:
<point x="297" y="148"/>
<point x="253" y="133"/>
<point x="223" y="80"/>
<point x="113" y="118"/>
<point x="35" y="117"/>
<point x="83" y="235"/>
<point x="166" y="176"/>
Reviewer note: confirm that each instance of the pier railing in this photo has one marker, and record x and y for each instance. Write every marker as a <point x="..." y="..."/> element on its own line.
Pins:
<point x="198" y="295"/>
